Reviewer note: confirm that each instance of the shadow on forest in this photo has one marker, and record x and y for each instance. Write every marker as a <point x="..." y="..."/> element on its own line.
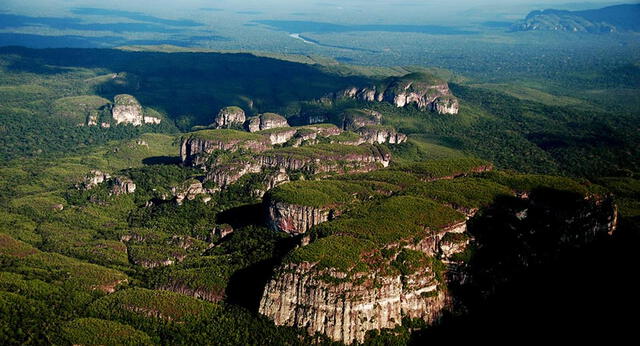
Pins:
<point x="162" y="160"/>
<point x="191" y="86"/>
<point x="246" y="286"/>
<point x="527" y="284"/>
<point x="243" y="216"/>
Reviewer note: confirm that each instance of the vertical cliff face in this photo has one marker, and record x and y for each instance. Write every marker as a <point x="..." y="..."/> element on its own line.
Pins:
<point x="345" y="305"/>
<point x="445" y="105"/>
<point x="126" y="109"/>
<point x="266" y="121"/>
<point x="365" y="271"/>
<point x="444" y="242"/>
<point x="424" y="91"/>
<point x="190" y="190"/>
<point x="280" y="135"/>
<point x="354" y="119"/>
<point x="270" y="181"/>
<point x="315" y="164"/>
<point x="363" y="276"/>
<point x="296" y="136"/>
<point x="229" y="117"/>
<point x="346" y="308"/>
<point x="311" y="160"/>
<point x="381" y="134"/>
<point x="197" y="147"/>
<point x="296" y="219"/>
<point x="228" y="173"/>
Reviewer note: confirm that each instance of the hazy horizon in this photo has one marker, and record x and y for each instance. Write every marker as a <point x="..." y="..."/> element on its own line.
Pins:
<point x="365" y="32"/>
<point x="333" y="11"/>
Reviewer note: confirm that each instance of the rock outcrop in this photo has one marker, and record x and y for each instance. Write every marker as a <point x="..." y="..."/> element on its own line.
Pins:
<point x="364" y="271"/>
<point x="425" y="91"/>
<point x="266" y="121"/>
<point x="346" y="305"/>
<point x="354" y="119"/>
<point x="296" y="219"/>
<point x="93" y="179"/>
<point x="190" y="190"/>
<point x="197" y="147"/>
<point x="296" y="136"/>
<point x="360" y="276"/>
<point x="127" y="110"/>
<point x="228" y="173"/>
<point x="118" y="185"/>
<point x="152" y="120"/>
<point x="122" y="186"/>
<point x="317" y="119"/>
<point x="230" y="117"/>
<point x="279" y="135"/>
<point x="318" y="159"/>
<point x="346" y="308"/>
<point x="445" y="105"/>
<point x="270" y="181"/>
<point x="381" y="134"/>
<point x="333" y="158"/>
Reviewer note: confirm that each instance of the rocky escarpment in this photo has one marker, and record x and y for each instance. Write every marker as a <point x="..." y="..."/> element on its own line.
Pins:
<point x="90" y="110"/>
<point x="357" y="280"/>
<point x="408" y="255"/>
<point x="321" y="149"/>
<point x="327" y="158"/>
<point x="366" y="123"/>
<point x="197" y="147"/>
<point x="279" y="135"/>
<point x="230" y="117"/>
<point x="271" y="180"/>
<point x="316" y="293"/>
<point x="228" y="173"/>
<point x="381" y="134"/>
<point x="312" y="160"/>
<point x="266" y="121"/>
<point x="425" y="91"/>
<point x="346" y="308"/>
<point x="296" y="219"/>
<point x="353" y="119"/>
<point x="150" y="249"/>
<point x="298" y="206"/>
<point x="296" y="136"/>
<point x="127" y="110"/>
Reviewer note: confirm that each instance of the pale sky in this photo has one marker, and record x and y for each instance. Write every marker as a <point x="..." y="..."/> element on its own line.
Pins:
<point x="334" y="11"/>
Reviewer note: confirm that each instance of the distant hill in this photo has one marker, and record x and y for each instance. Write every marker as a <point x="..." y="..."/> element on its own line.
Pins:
<point x="619" y="18"/>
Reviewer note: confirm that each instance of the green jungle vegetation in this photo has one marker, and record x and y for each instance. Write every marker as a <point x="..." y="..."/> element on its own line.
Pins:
<point x="78" y="266"/>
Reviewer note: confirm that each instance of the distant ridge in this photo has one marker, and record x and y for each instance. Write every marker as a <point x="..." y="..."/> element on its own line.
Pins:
<point x="619" y="18"/>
